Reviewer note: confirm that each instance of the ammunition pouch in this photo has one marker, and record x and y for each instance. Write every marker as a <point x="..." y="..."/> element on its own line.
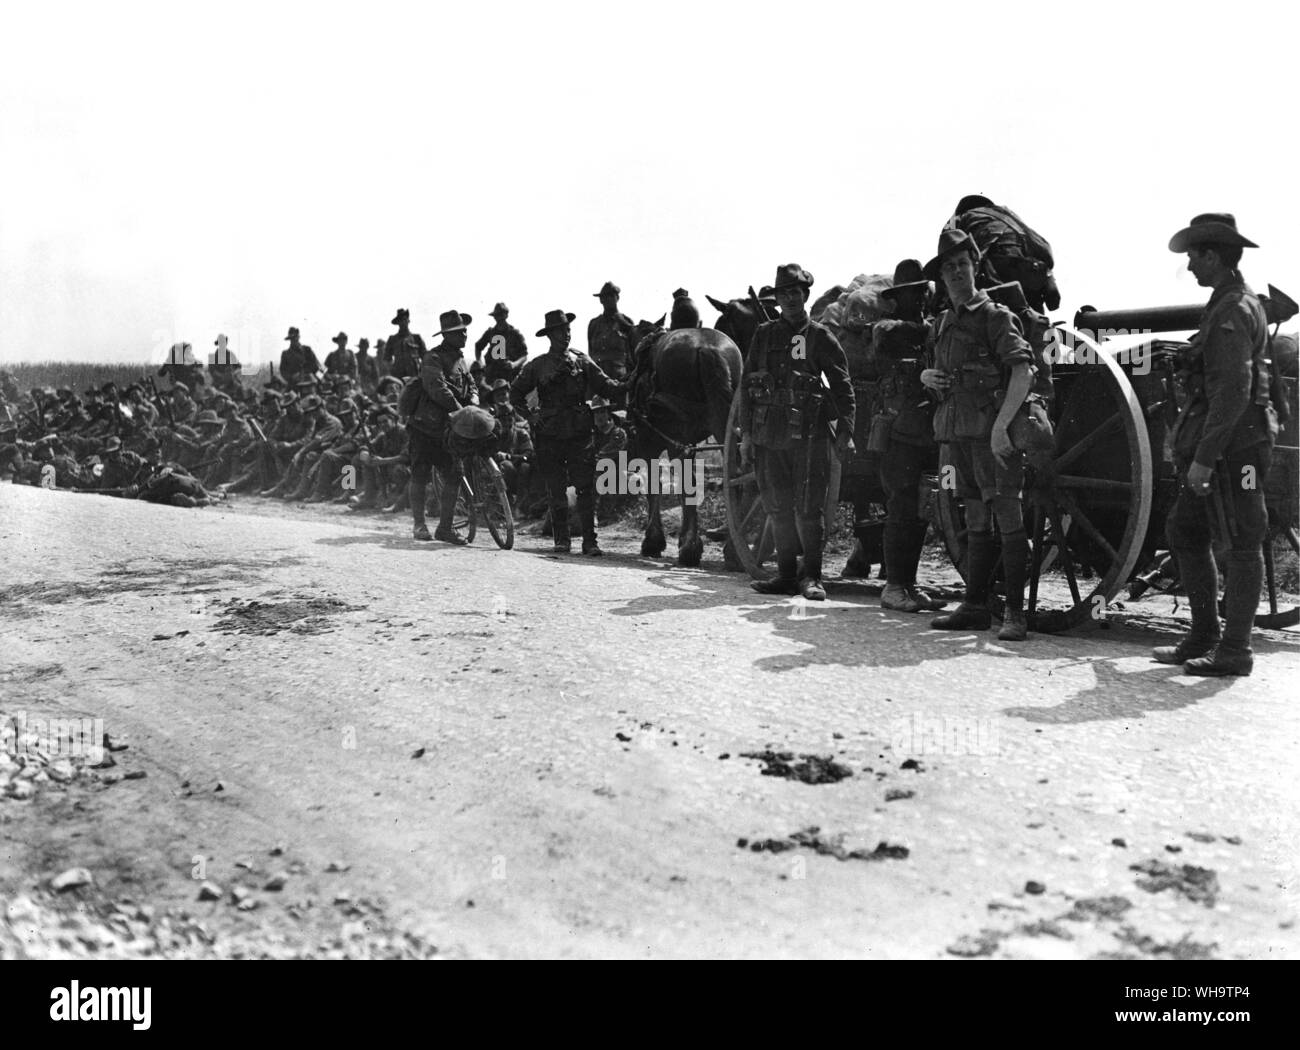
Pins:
<point x="782" y="416"/>
<point x="565" y="423"/>
<point x="973" y="401"/>
<point x="1031" y="428"/>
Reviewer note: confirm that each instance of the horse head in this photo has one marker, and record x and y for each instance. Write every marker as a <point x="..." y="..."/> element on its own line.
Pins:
<point x="739" y="320"/>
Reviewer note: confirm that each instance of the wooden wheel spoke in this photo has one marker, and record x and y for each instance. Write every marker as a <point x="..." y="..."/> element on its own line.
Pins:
<point x="1077" y="481"/>
<point x="1063" y="549"/>
<point x="750" y="517"/>
<point x="1085" y="523"/>
<point x="1082" y="446"/>
<point x="742" y="479"/>
<point x="1036" y="557"/>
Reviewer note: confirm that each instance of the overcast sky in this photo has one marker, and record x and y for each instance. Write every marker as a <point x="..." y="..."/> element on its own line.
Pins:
<point x="171" y="171"/>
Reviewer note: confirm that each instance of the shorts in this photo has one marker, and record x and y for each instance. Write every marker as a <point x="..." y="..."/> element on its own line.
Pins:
<point x="978" y="474"/>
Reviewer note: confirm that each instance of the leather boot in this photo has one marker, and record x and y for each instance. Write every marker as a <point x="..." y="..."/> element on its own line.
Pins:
<point x="858" y="567"/>
<point x="1233" y="655"/>
<point x="321" y="489"/>
<point x="786" y="535"/>
<point x="560" y="529"/>
<point x="415" y="494"/>
<point x="587" y="515"/>
<point x="973" y="613"/>
<point x="303" y="489"/>
<point x="812" y="535"/>
<point x="1015" y="566"/>
<point x="912" y="546"/>
<point x="447" y="513"/>
<point x="1200" y="577"/>
<point x="895" y="597"/>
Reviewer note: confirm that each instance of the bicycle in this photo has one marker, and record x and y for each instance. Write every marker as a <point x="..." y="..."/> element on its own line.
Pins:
<point x="482" y="496"/>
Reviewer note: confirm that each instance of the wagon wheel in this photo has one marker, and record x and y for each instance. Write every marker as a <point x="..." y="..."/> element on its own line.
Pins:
<point x="749" y="532"/>
<point x="1087" y="510"/>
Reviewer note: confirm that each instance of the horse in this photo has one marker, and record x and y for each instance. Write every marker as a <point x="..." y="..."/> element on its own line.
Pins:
<point x="739" y="319"/>
<point x="682" y="388"/>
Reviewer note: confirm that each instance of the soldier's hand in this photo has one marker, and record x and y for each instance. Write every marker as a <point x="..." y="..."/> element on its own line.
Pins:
<point x="1003" y="450"/>
<point x="746" y="453"/>
<point x="844" y="446"/>
<point x="936" y="380"/>
<point x="1198" y="479"/>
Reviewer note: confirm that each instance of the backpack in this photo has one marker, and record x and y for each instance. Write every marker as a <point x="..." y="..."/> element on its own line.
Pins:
<point x="408" y="402"/>
<point x="1031" y="243"/>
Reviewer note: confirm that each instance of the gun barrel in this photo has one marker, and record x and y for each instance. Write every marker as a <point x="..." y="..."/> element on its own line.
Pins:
<point x="1141" y="319"/>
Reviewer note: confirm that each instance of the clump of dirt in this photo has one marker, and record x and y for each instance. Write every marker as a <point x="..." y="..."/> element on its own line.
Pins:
<point x="1098" y="908"/>
<point x="1184" y="948"/>
<point x="808" y="769"/>
<point x="1196" y="884"/>
<point x="298" y="616"/>
<point x="827" y="845"/>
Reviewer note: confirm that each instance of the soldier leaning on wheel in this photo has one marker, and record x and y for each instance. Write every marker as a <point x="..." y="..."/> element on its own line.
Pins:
<point x="566" y="451"/>
<point x="1223" y="443"/>
<point x="982" y="373"/>
<point x="785" y="416"/>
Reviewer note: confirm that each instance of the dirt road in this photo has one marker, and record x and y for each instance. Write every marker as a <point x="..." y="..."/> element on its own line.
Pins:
<point x="509" y="753"/>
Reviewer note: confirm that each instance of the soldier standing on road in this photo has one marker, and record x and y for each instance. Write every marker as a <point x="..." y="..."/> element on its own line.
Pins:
<point x="446" y="385"/>
<point x="404" y="349"/>
<point x="506" y="351"/>
<point x="982" y="373"/>
<point x="1223" y="444"/>
<point x="566" y="452"/>
<point x="785" y="416"/>
<point x="903" y="428"/>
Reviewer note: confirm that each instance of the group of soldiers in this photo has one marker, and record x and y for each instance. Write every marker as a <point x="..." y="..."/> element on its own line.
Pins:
<point x="959" y="376"/>
<point x="963" y="365"/>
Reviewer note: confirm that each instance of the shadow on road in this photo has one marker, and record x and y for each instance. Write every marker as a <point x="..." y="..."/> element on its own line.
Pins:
<point x="852" y="632"/>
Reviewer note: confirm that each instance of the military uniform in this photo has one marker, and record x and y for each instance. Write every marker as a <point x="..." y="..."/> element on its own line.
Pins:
<point x="562" y="433"/>
<point x="446" y="385"/>
<point x="1226" y="429"/>
<point x="341" y="362"/>
<point x="404" y="350"/>
<point x="978" y="346"/>
<point x="785" y="411"/>
<point x="611" y="345"/>
<point x="506" y="352"/>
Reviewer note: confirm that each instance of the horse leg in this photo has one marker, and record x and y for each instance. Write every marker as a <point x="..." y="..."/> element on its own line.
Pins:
<point x="654" y="543"/>
<point x="690" y="547"/>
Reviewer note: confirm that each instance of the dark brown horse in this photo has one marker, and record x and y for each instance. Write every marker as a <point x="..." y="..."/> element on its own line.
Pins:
<point x="681" y="396"/>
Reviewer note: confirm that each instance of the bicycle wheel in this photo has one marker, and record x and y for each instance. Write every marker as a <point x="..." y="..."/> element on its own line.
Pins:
<point x="493" y="501"/>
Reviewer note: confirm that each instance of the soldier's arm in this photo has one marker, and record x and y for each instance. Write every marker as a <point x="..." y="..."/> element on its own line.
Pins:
<point x="599" y="382"/>
<point x="481" y="343"/>
<point x="745" y="416"/>
<point x="524" y="385"/>
<point x="834" y="365"/>
<point x="434" y="381"/>
<point x="1229" y="344"/>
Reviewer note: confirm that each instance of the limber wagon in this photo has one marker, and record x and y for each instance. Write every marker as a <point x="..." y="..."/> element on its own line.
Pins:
<point x="1095" y="506"/>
